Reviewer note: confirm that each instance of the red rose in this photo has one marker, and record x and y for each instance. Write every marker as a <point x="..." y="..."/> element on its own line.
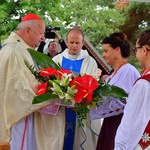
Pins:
<point x="47" y="72"/>
<point x="42" y="88"/>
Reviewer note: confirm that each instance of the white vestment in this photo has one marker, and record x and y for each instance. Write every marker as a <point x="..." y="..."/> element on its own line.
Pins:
<point x="17" y="90"/>
<point x="90" y="132"/>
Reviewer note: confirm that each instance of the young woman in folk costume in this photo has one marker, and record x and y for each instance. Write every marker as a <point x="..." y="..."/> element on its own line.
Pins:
<point x="134" y="130"/>
<point x="116" y="50"/>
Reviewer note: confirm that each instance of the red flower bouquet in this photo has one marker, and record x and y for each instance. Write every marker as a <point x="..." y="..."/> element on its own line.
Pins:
<point x="81" y="92"/>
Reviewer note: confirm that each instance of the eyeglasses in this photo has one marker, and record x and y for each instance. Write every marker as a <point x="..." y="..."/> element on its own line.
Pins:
<point x="147" y="49"/>
<point x="136" y="48"/>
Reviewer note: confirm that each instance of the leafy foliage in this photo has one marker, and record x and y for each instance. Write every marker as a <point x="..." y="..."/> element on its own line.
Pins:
<point x="97" y="18"/>
<point x="137" y="19"/>
<point x="42" y="59"/>
<point x="43" y="97"/>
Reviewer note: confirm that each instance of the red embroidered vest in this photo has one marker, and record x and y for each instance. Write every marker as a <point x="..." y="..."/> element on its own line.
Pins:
<point x="145" y="139"/>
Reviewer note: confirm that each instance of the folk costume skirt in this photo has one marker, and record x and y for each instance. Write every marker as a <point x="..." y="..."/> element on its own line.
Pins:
<point x="108" y="131"/>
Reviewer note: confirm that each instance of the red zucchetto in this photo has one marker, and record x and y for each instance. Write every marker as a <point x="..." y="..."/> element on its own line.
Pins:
<point x="30" y="17"/>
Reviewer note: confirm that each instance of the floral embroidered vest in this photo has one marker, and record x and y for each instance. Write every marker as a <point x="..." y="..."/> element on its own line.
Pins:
<point x="145" y="139"/>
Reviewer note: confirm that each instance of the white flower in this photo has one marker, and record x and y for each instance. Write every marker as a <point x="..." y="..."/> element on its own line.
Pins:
<point x="57" y="90"/>
<point x="62" y="88"/>
<point x="65" y="80"/>
<point x="71" y="91"/>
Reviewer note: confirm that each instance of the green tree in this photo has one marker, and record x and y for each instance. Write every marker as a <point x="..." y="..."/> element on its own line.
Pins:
<point x="137" y="19"/>
<point x="97" y="18"/>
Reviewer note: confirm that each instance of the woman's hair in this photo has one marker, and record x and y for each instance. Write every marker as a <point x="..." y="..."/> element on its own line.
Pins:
<point x="119" y="39"/>
<point x="144" y="38"/>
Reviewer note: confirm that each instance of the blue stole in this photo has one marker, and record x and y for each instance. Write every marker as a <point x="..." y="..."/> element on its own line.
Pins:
<point x="74" y="66"/>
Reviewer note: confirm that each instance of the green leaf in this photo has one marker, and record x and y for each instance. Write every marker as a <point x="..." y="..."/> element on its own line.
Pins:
<point x="43" y="60"/>
<point x="118" y="92"/>
<point x="112" y="91"/>
<point x="43" y="97"/>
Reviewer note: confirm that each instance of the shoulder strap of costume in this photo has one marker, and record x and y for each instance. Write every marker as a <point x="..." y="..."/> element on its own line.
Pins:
<point x="144" y="141"/>
<point x="146" y="77"/>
